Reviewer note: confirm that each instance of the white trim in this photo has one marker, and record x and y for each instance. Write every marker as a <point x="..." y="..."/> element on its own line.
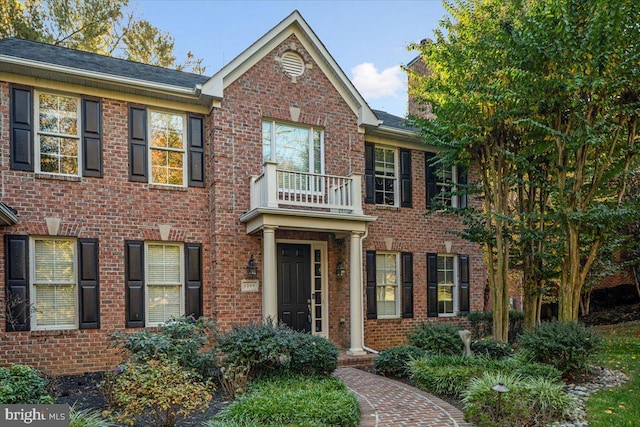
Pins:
<point x="296" y="25"/>
<point x="397" y="286"/>
<point x="322" y="246"/>
<point x="32" y="307"/>
<point x="38" y="132"/>
<point x="183" y="151"/>
<point x="146" y="275"/>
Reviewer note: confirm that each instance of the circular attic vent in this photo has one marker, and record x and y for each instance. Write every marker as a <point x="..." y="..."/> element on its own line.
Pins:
<point x="292" y="63"/>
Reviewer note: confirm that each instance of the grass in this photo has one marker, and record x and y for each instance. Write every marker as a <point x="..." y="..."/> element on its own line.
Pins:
<point x="293" y="400"/>
<point x="621" y="350"/>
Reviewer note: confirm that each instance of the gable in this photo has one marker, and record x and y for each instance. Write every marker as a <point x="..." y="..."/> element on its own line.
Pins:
<point x="294" y="25"/>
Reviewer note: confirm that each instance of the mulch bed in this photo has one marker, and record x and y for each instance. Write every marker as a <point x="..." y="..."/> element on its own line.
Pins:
<point x="82" y="391"/>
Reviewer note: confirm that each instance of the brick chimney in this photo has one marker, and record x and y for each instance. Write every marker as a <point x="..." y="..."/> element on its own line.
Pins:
<point x="418" y="66"/>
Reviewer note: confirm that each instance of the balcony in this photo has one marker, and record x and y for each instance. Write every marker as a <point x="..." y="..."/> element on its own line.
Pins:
<point x="307" y="191"/>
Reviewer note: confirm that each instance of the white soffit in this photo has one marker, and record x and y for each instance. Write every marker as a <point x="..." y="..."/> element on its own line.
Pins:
<point x="296" y="25"/>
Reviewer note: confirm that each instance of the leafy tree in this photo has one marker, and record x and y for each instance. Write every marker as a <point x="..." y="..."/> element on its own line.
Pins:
<point x="541" y="97"/>
<point x="107" y="27"/>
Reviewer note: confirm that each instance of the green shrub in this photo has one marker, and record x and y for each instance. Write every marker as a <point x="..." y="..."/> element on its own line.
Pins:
<point x="491" y="348"/>
<point x="538" y="370"/>
<point x="313" y="355"/>
<point x="568" y="346"/>
<point x="87" y="418"/>
<point x="529" y="402"/>
<point x="437" y="338"/>
<point x="482" y="324"/>
<point x="269" y="348"/>
<point x="182" y="339"/>
<point x="394" y="362"/>
<point x="292" y="400"/>
<point x="444" y="375"/>
<point x="160" y="390"/>
<point x="23" y="384"/>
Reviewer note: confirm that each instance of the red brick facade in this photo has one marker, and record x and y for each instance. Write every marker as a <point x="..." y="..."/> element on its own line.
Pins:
<point x="114" y="210"/>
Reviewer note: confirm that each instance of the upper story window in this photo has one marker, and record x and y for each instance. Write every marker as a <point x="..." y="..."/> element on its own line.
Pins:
<point x="388" y="175"/>
<point x="167" y="148"/>
<point x="293" y="148"/>
<point x="54" y="281"/>
<point x="58" y="133"/>
<point x="386" y="178"/>
<point x="444" y="183"/>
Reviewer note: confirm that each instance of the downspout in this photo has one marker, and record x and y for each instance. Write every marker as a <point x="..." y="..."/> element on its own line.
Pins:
<point x="362" y="273"/>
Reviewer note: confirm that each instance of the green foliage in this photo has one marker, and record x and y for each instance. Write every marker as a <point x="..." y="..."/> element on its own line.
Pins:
<point x="293" y="400"/>
<point x="534" y="401"/>
<point x="160" y="390"/>
<point x="268" y="347"/>
<point x="395" y="361"/>
<point x="313" y="355"/>
<point x="234" y="379"/>
<point x="87" y="418"/>
<point x="491" y="348"/>
<point x="23" y="384"/>
<point x="482" y="323"/>
<point x="437" y="338"/>
<point x="444" y="375"/>
<point x="568" y="346"/>
<point x="107" y="27"/>
<point x="182" y="339"/>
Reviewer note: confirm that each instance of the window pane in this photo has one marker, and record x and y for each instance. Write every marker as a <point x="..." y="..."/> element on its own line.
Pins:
<point x="164" y="303"/>
<point x="292" y="148"/>
<point x="59" y="155"/>
<point x="317" y="152"/>
<point x="385" y="176"/>
<point x="54" y="261"/>
<point x="266" y="141"/>
<point x="167" y="152"/>
<point x="58" y="114"/>
<point x="387" y="281"/>
<point x="163" y="264"/>
<point x="167" y="130"/>
<point x="55" y="305"/>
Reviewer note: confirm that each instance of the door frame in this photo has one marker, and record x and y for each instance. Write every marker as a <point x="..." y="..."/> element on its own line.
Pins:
<point x="322" y="247"/>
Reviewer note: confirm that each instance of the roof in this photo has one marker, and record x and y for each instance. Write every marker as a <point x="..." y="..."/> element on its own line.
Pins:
<point x="8" y="215"/>
<point x="65" y="57"/>
<point x="296" y="25"/>
<point x="395" y="122"/>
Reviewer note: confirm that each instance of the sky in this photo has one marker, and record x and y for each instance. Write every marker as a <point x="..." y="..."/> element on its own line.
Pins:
<point x="367" y="38"/>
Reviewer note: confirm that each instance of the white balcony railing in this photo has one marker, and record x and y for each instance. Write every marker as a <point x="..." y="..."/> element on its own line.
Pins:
<point x="278" y="188"/>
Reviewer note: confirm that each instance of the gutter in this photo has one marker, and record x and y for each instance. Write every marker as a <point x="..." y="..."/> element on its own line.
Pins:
<point x="92" y="75"/>
<point x="8" y="214"/>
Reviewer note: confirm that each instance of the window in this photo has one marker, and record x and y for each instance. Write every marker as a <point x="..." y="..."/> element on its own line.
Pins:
<point x="293" y="148"/>
<point x="167" y="148"/>
<point x="385" y="176"/>
<point x="58" y="133"/>
<point x="446" y="284"/>
<point x="387" y="285"/>
<point x="164" y="273"/>
<point x="54" y="282"/>
<point x="443" y="182"/>
<point x="388" y="176"/>
<point x="445" y="186"/>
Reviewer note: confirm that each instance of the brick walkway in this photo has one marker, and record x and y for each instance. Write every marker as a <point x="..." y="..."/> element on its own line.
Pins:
<point x="386" y="402"/>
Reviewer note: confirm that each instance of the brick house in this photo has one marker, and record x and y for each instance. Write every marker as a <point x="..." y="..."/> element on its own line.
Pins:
<point x="132" y="193"/>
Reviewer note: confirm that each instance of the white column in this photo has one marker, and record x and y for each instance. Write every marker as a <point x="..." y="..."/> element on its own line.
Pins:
<point x="356" y="320"/>
<point x="269" y="275"/>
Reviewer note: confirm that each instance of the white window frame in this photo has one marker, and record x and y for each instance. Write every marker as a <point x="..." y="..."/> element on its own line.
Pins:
<point x="147" y="304"/>
<point x="397" y="285"/>
<point x="32" y="285"/>
<point x="311" y="132"/>
<point x="455" y="286"/>
<point x="396" y="175"/>
<point x="38" y="132"/>
<point x="150" y="146"/>
<point x="450" y="187"/>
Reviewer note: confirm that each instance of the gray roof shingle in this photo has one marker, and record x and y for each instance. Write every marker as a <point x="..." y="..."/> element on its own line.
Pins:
<point x="57" y="55"/>
<point x="392" y="121"/>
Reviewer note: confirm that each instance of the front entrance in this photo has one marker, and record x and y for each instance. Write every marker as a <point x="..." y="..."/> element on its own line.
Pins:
<point x="294" y="286"/>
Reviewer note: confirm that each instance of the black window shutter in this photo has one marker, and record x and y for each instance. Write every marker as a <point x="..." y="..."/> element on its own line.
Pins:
<point x="21" y="128"/>
<point x="17" y="282"/>
<point x="193" y="270"/>
<point x="407" y="284"/>
<point x="462" y="182"/>
<point x="405" y="178"/>
<point x="464" y="284"/>
<point x="89" y="290"/>
<point x="134" y="284"/>
<point x="372" y="303"/>
<point x="431" y="177"/>
<point x="432" y="285"/>
<point x="138" y="144"/>
<point x="91" y="137"/>
<point x="369" y="173"/>
<point x="195" y="137"/>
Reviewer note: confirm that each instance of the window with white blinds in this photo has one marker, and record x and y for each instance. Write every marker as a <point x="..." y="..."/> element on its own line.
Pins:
<point x="164" y="273"/>
<point x="54" y="283"/>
